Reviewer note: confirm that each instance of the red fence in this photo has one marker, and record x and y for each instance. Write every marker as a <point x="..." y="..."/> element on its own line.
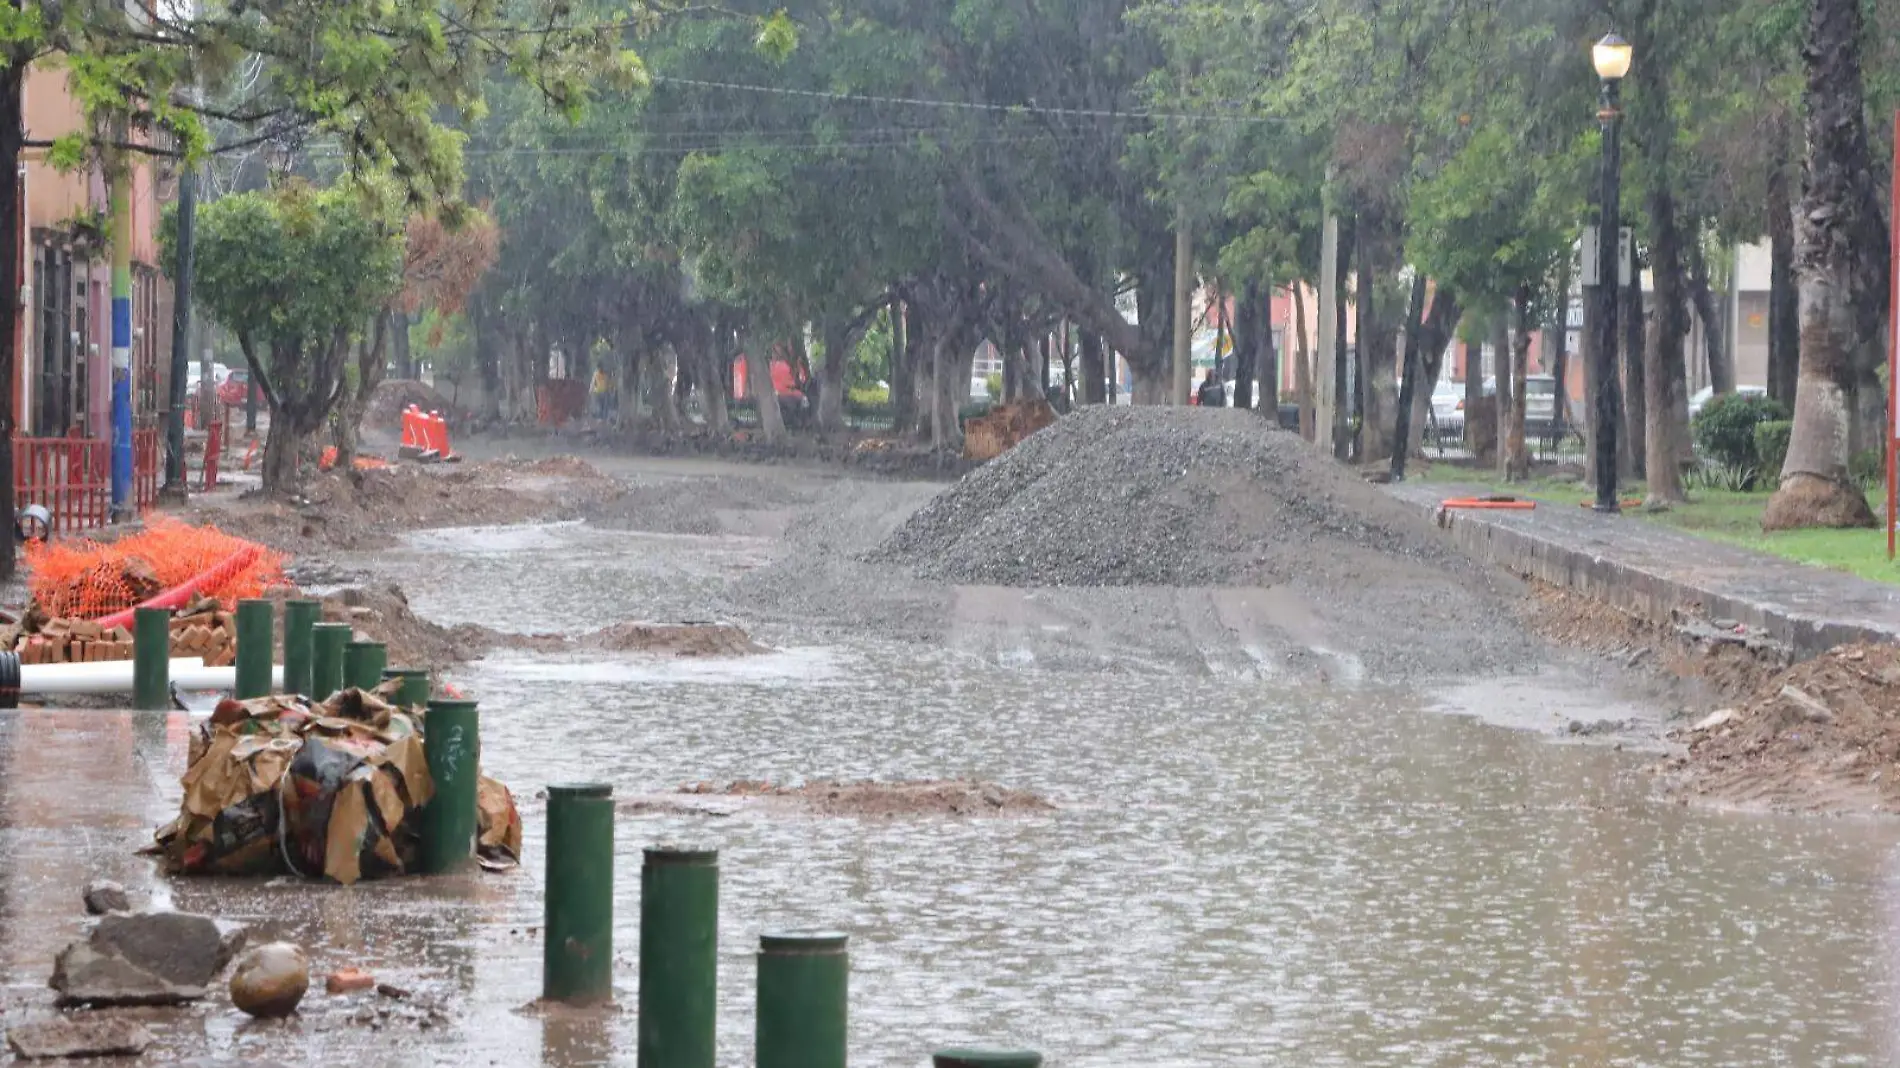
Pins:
<point x="72" y="477"/>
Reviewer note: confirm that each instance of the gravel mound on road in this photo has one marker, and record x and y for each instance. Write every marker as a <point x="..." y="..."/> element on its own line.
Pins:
<point x="1161" y="497"/>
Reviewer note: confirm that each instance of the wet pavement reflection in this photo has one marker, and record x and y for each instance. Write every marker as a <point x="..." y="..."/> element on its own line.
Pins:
<point x="1237" y="874"/>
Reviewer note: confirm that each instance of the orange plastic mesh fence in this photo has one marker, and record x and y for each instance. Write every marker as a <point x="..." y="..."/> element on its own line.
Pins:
<point x="84" y="579"/>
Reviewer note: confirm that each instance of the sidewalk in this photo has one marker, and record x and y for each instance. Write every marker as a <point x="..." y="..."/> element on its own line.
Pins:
<point x="1649" y="570"/>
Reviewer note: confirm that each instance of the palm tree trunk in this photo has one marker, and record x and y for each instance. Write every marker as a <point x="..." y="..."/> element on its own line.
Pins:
<point x="1842" y="266"/>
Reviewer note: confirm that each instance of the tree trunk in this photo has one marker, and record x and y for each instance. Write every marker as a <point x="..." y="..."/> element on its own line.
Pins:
<point x="1635" y="424"/>
<point x="405" y="359"/>
<point x="1474" y="396"/>
<point x="1266" y="376"/>
<point x="1154" y="301"/>
<point x="1842" y="257"/>
<point x="1342" y="383"/>
<point x="1365" y="325"/>
<point x="836" y="333"/>
<point x="12" y="134"/>
<point x="1409" y="381"/>
<point x="1092" y="368"/>
<point x="1784" y="303"/>
<point x="1505" y="411"/>
<point x="1303" y="368"/>
<point x="1558" y="334"/>
<point x="1517" y="467"/>
<point x="1666" y="372"/>
<point x="906" y="357"/>
<point x="1708" y="310"/>
<point x="352" y="402"/>
<point x="758" y="373"/>
<point x="1246" y="343"/>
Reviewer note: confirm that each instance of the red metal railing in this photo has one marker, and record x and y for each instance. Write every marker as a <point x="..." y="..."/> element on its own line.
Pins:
<point x="71" y="477"/>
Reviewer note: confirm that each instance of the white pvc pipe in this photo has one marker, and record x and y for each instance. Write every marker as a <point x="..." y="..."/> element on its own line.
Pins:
<point x="115" y="676"/>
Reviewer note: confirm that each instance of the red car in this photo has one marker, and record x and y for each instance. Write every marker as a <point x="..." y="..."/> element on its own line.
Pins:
<point x="231" y="390"/>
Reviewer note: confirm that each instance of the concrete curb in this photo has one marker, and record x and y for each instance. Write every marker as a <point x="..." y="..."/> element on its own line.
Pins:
<point x="1810" y="610"/>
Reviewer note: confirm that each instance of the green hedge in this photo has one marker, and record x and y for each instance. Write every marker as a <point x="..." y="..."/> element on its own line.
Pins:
<point x="1771" y="448"/>
<point x="1725" y="433"/>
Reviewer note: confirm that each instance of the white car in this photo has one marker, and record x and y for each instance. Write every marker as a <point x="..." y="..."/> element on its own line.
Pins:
<point x="1707" y="393"/>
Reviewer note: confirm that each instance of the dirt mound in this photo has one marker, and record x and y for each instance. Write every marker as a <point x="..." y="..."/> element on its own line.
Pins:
<point x="1823" y="735"/>
<point x="394" y="396"/>
<point x="672" y="639"/>
<point x="366" y="509"/>
<point x="1160" y="497"/>
<point x="382" y="613"/>
<point x="954" y="797"/>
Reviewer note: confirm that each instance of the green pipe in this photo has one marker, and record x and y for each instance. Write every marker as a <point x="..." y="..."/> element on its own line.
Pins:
<point x="452" y="743"/>
<point x="679" y="957"/>
<point x="986" y="1058"/>
<point x="151" y="659"/>
<point x="300" y="622"/>
<point x="801" y="1008"/>
<point x="414" y="692"/>
<point x="254" y="619"/>
<point x="326" y="662"/>
<point x="577" y="952"/>
<point x="363" y="664"/>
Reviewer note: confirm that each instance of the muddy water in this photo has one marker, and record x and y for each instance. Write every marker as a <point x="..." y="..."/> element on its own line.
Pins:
<point x="1240" y="873"/>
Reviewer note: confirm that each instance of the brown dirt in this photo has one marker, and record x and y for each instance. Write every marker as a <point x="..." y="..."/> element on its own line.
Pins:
<point x="1805" y="500"/>
<point x="1707" y="665"/>
<point x="382" y="613"/>
<point x="1822" y="736"/>
<point x="367" y="509"/>
<point x="393" y="396"/>
<point x="881" y="800"/>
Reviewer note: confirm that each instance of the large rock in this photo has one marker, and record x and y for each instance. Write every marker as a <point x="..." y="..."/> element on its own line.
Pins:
<point x="145" y="958"/>
<point x="271" y="980"/>
<point x="84" y="1035"/>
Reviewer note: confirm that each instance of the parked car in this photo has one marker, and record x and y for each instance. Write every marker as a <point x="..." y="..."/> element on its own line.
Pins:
<point x="1448" y="408"/>
<point x="231" y="390"/>
<point x="1707" y="393"/>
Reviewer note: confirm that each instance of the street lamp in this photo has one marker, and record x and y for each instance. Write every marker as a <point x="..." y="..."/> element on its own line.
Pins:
<point x="1611" y="56"/>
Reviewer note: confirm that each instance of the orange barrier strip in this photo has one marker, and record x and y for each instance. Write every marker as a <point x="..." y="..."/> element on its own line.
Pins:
<point x="1484" y="504"/>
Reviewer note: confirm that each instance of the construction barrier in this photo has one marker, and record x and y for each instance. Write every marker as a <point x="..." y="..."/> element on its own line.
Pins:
<point x="425" y="436"/>
<point x="560" y="401"/>
<point x="167" y="562"/>
<point x="71" y="477"/>
<point x="1495" y="504"/>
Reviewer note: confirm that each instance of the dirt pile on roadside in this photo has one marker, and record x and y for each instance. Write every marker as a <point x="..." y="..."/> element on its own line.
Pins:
<point x="366" y="509"/>
<point x="394" y="396"/>
<point x="1823" y="735"/>
<point x="1161" y="497"/>
<point x="672" y="639"/>
<point x="882" y="800"/>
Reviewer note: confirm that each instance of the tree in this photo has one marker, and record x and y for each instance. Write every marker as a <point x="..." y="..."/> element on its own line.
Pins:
<point x="1842" y="258"/>
<point x="295" y="273"/>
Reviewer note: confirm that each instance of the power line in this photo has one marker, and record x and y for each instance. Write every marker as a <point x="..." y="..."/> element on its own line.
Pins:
<point x="963" y="105"/>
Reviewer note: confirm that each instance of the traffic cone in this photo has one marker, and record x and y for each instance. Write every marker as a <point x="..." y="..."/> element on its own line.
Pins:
<point x="412" y="445"/>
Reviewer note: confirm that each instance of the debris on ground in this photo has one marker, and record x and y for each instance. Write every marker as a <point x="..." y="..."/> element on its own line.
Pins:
<point x="91" y="1034"/>
<point x="270" y="981"/>
<point x="1004" y="427"/>
<point x="280" y="785"/>
<point x="102" y="896"/>
<point x="204" y="628"/>
<point x="672" y="639"/>
<point x="348" y="981"/>
<point x="950" y="797"/>
<point x="145" y="958"/>
<point x="1823" y="735"/>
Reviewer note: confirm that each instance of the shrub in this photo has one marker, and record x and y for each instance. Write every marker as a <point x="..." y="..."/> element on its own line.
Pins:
<point x="867" y="398"/>
<point x="1868" y="469"/>
<point x="1725" y="430"/>
<point x="994" y="383"/>
<point x="1771" y="448"/>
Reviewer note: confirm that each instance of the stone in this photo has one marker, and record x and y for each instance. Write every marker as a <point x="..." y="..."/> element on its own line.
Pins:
<point x="1812" y="708"/>
<point x="81" y="1035"/>
<point x="348" y="981"/>
<point x="271" y="980"/>
<point x="145" y="958"/>
<point x="1714" y="720"/>
<point x="104" y="895"/>
<point x="390" y="990"/>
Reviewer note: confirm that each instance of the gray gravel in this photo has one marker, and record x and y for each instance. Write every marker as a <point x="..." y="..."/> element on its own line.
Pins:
<point x="1158" y="497"/>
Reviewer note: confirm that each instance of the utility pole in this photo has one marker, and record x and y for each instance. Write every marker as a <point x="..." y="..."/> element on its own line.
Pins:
<point x="175" y="480"/>
<point x="122" y="503"/>
<point x="1183" y="308"/>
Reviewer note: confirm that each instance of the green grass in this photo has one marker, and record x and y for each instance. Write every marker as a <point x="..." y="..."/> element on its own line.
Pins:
<point x="1719" y="515"/>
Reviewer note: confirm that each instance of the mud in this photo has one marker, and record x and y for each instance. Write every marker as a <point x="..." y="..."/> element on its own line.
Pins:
<point x="369" y="509"/>
<point x="874" y="800"/>
<point x="1822" y="736"/>
<point x="864" y="455"/>
<point x="382" y="613"/>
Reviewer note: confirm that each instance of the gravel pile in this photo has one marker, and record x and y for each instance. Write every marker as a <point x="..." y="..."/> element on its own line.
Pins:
<point x="1162" y="497"/>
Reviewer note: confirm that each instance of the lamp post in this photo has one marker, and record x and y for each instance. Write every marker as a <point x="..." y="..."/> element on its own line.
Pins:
<point x="1611" y="57"/>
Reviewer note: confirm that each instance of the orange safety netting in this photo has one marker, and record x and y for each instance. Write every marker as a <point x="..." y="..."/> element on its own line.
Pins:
<point x="362" y="463"/>
<point x="85" y="579"/>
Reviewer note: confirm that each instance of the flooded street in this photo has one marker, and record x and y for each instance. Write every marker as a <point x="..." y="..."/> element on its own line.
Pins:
<point x="1244" y="867"/>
